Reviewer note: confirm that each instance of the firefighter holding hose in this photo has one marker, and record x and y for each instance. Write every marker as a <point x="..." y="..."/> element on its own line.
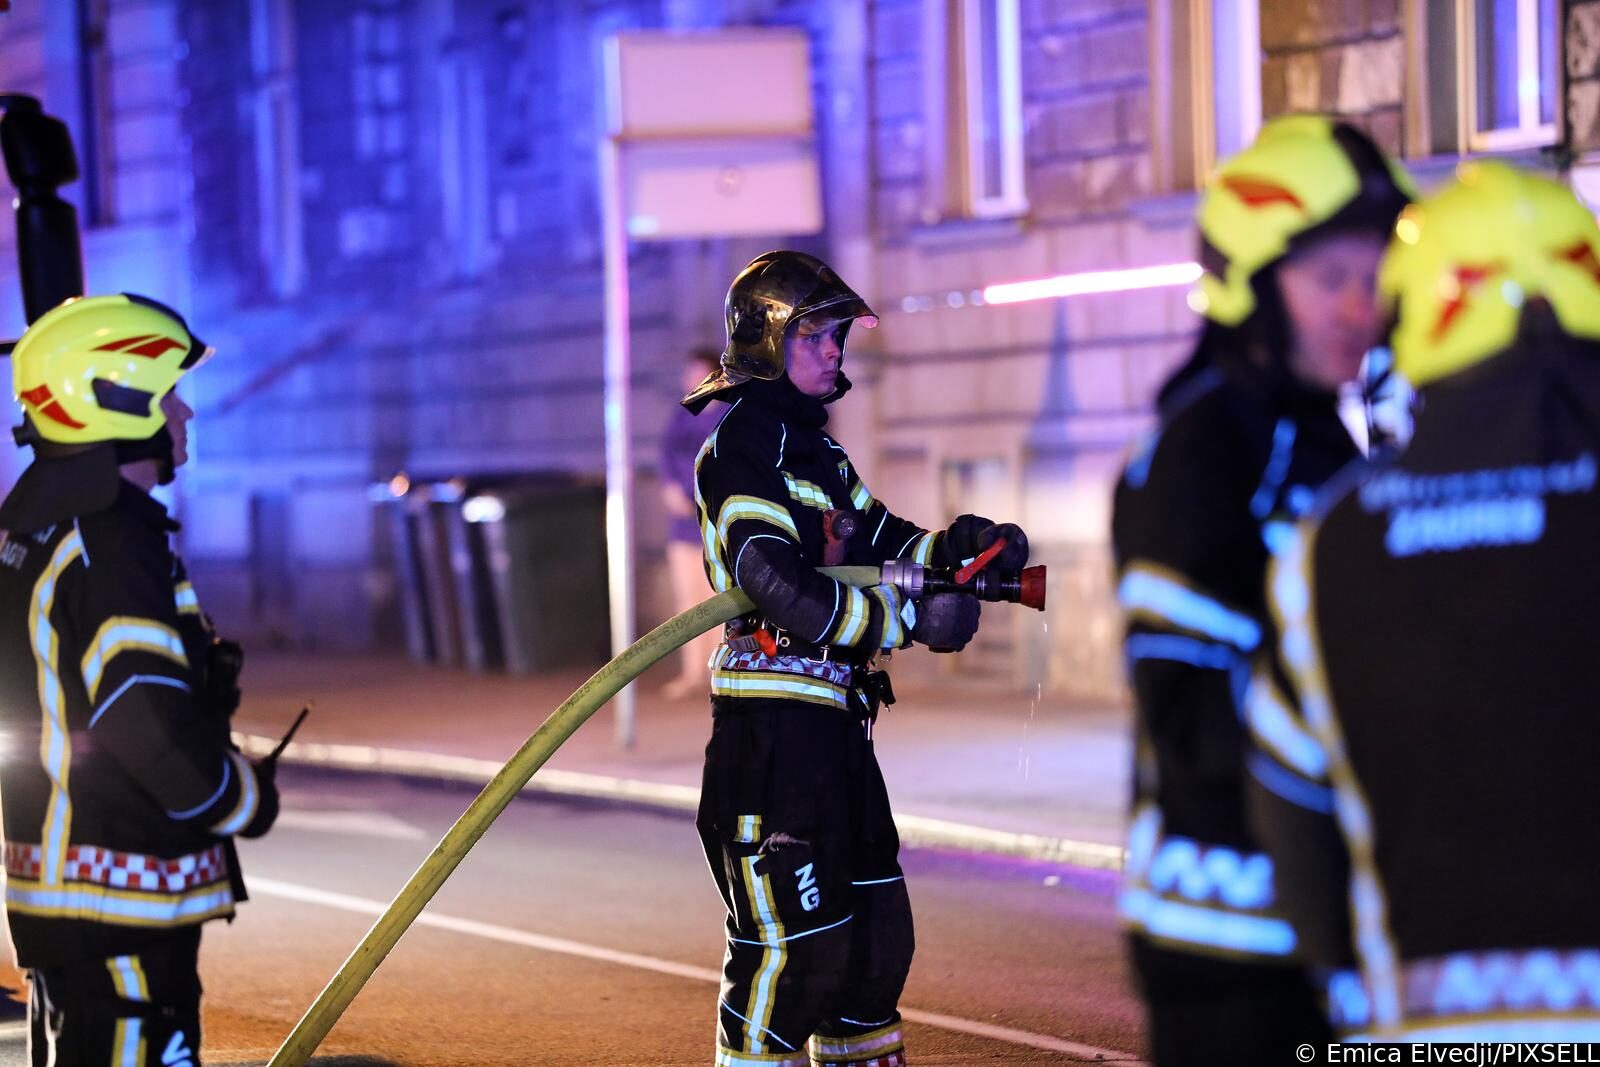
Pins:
<point x="794" y="815"/>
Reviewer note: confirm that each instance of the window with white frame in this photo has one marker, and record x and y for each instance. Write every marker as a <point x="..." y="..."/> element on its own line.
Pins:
<point x="1509" y="74"/>
<point x="991" y="82"/>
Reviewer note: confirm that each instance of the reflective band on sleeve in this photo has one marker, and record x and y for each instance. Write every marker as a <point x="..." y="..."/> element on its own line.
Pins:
<point x="1277" y="729"/>
<point x="854" y="614"/>
<point x="888" y="598"/>
<point x="736" y="508"/>
<point x="1147" y="591"/>
<point x="249" y="799"/>
<point x="716" y="569"/>
<point x="138" y="679"/>
<point x="122" y="633"/>
<point x="200" y="808"/>
<point x="1180" y="649"/>
<point x="1278" y="779"/>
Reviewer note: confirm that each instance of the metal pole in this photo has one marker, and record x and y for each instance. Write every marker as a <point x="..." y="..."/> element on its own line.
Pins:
<point x="619" y="425"/>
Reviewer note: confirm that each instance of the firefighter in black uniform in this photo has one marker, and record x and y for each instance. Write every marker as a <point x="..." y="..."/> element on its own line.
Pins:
<point x="1435" y="698"/>
<point x="122" y="791"/>
<point x="1291" y="232"/>
<point x="793" y="814"/>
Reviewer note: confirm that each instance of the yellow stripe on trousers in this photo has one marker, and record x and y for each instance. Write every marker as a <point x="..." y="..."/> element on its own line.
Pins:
<point x="763" y="986"/>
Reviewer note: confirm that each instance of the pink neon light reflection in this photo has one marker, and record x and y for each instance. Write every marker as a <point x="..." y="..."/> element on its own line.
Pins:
<point x="1093" y="281"/>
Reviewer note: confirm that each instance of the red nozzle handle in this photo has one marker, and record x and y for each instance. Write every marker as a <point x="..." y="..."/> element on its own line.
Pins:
<point x="964" y="575"/>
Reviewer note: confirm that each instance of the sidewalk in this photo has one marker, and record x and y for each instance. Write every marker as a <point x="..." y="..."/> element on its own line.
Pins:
<point x="967" y="767"/>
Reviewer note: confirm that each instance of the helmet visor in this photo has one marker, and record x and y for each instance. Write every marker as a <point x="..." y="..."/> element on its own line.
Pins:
<point x="200" y="354"/>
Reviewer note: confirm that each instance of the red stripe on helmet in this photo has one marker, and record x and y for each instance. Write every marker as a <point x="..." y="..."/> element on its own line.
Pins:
<point x="152" y="349"/>
<point x="57" y="412"/>
<point x="1582" y="255"/>
<point x="117" y="346"/>
<point x="1258" y="192"/>
<point x="1467" y="279"/>
<point x="46" y="404"/>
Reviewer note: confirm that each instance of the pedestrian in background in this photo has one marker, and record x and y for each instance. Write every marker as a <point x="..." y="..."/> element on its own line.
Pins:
<point x="680" y="444"/>
<point x="123" y="791"/>
<point x="1291" y="231"/>
<point x="1433" y="710"/>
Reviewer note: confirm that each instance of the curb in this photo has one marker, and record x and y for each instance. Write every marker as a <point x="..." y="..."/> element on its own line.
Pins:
<point x="915" y="830"/>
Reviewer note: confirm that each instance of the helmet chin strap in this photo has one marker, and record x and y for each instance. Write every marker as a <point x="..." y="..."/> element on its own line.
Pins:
<point x="157" y="447"/>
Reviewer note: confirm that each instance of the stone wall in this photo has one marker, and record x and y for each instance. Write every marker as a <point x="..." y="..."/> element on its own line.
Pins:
<point x="129" y="139"/>
<point x="1344" y="57"/>
<point x="1024" y="410"/>
<point x="1583" y="74"/>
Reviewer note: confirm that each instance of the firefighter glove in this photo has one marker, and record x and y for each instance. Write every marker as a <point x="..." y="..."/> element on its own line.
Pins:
<point x="946" y="621"/>
<point x="962" y="536"/>
<point x="1014" y="556"/>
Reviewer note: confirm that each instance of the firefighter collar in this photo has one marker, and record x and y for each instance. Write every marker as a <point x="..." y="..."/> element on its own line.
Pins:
<point x="58" y="490"/>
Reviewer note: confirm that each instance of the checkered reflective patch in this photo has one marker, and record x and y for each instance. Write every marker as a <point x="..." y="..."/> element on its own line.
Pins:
<point x="122" y="870"/>
<point x="823" y="670"/>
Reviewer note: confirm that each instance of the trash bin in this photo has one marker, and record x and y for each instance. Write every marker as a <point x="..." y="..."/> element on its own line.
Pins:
<point x="505" y="573"/>
<point x="422" y="528"/>
<point x="542" y="546"/>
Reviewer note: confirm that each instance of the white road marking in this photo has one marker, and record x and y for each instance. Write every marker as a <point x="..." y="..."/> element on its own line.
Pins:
<point x="359" y="823"/>
<point x="915" y="830"/>
<point x="508" y="935"/>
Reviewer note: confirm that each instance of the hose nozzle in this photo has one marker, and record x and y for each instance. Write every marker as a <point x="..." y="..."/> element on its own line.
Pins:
<point x="1025" y="587"/>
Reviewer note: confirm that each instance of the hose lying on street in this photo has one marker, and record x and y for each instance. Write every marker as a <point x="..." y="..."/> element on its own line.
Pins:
<point x="487" y="806"/>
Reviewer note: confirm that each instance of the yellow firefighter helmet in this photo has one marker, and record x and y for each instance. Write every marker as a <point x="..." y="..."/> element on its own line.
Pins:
<point x="95" y="368"/>
<point x="1304" y="175"/>
<point x="1465" y="261"/>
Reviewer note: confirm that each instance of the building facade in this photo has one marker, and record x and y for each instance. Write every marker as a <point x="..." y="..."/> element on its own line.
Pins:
<point x="385" y="215"/>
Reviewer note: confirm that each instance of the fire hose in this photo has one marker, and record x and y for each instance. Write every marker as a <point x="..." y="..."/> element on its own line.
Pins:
<point x="1026" y="588"/>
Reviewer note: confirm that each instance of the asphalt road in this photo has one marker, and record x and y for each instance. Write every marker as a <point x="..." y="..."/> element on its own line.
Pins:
<point x="585" y="933"/>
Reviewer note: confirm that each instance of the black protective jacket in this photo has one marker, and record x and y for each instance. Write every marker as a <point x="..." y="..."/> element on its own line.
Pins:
<point x="764" y="480"/>
<point x="121" y="789"/>
<point x="1238" y="453"/>
<point x="1434" y="716"/>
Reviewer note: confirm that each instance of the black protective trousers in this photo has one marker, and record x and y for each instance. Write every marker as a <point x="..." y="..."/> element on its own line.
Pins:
<point x="796" y="827"/>
<point x="1205" y="1010"/>
<point x="140" y="1010"/>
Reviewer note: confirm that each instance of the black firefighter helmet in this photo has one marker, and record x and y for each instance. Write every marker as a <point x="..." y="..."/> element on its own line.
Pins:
<point x="773" y="293"/>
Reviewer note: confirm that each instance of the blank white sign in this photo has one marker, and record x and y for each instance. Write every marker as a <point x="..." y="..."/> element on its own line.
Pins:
<point x="721" y="83"/>
<point x="744" y="187"/>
